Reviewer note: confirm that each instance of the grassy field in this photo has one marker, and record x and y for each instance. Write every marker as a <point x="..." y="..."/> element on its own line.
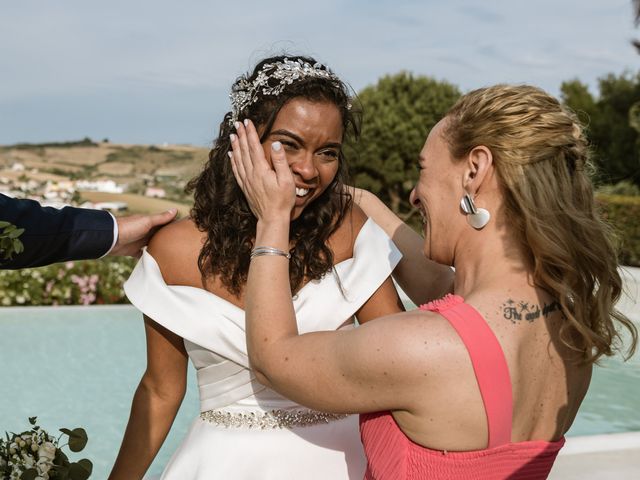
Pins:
<point x="133" y="166"/>
<point x="105" y="159"/>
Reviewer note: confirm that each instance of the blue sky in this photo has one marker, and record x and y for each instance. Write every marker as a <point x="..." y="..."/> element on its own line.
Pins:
<point x="159" y="71"/>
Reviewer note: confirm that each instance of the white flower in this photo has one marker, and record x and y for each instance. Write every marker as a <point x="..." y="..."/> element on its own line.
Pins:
<point x="43" y="466"/>
<point x="29" y="461"/>
<point x="47" y="450"/>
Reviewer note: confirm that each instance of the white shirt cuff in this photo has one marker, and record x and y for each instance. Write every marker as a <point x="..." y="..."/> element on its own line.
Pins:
<point x="115" y="234"/>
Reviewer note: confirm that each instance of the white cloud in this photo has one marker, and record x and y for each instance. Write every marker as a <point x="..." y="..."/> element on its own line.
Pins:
<point x="64" y="63"/>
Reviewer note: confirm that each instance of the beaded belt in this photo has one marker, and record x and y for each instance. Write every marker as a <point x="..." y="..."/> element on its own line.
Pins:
<point x="270" y="418"/>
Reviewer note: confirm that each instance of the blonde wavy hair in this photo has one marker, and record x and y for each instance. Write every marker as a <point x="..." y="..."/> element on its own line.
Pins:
<point x="542" y="159"/>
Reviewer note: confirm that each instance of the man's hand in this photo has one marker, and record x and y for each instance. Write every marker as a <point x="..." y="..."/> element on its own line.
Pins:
<point x="134" y="231"/>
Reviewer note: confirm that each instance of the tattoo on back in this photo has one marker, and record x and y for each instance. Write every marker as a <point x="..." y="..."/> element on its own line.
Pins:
<point x="517" y="311"/>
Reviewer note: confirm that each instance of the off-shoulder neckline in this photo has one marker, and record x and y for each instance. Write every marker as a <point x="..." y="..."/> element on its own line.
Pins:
<point x="147" y="255"/>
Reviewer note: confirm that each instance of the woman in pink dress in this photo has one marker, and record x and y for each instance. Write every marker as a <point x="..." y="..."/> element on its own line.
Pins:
<point x="485" y="382"/>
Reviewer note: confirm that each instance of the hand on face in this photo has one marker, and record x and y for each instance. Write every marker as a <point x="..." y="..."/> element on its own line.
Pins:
<point x="270" y="191"/>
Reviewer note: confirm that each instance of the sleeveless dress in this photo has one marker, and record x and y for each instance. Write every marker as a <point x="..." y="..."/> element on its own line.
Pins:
<point x="391" y="455"/>
<point x="245" y="430"/>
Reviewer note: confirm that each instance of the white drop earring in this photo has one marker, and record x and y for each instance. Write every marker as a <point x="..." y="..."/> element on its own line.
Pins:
<point x="476" y="217"/>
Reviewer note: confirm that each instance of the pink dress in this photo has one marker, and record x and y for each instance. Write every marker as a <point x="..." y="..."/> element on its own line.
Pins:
<point x="391" y="455"/>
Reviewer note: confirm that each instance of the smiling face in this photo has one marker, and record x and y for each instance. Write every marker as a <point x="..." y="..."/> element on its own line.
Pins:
<point x="437" y="196"/>
<point x="311" y="135"/>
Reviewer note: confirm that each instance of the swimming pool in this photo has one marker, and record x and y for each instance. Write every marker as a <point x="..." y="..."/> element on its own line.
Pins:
<point x="79" y="366"/>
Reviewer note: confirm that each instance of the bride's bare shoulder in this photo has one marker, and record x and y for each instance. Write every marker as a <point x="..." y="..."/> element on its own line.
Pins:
<point x="343" y="239"/>
<point x="175" y="249"/>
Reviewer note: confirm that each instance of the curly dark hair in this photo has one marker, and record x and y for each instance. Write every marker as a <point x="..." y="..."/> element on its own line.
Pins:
<point x="221" y="210"/>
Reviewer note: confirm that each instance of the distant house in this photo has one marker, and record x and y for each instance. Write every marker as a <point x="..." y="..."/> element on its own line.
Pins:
<point x="155" y="192"/>
<point x="66" y="185"/>
<point x="111" y="206"/>
<point x="106" y="186"/>
<point x="51" y="195"/>
<point x="63" y="189"/>
<point x="10" y="192"/>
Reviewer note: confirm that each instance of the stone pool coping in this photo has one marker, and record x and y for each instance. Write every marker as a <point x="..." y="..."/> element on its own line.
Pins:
<point x="599" y="457"/>
<point x="607" y="442"/>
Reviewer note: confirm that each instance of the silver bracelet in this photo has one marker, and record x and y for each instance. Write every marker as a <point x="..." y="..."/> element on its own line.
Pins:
<point x="260" y="251"/>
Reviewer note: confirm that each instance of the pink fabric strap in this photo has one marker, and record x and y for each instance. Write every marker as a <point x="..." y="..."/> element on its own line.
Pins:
<point x="490" y="367"/>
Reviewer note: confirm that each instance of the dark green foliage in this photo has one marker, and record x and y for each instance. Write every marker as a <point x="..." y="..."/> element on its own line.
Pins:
<point x="70" y="283"/>
<point x="623" y="213"/>
<point x="625" y="187"/>
<point x="612" y="124"/>
<point x="398" y="113"/>
<point x="85" y="142"/>
<point x="10" y="243"/>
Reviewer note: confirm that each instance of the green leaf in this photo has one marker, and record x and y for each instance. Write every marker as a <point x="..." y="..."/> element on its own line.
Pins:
<point x="78" y="439"/>
<point x="16" y="232"/>
<point x="67" y="431"/>
<point x="61" y="473"/>
<point x="32" y="420"/>
<point x="29" y="474"/>
<point x="4" y="224"/>
<point x="86" y="464"/>
<point x="80" y="470"/>
<point x="61" y="459"/>
<point x="18" y="246"/>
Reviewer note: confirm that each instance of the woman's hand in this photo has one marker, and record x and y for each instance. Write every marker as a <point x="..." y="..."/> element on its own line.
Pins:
<point x="269" y="190"/>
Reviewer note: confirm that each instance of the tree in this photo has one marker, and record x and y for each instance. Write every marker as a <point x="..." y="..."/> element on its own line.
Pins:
<point x="576" y="96"/>
<point x="398" y="113"/>
<point x="612" y="124"/>
<point x="617" y="140"/>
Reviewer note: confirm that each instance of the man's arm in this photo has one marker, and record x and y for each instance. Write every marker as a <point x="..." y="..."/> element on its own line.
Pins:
<point x="55" y="235"/>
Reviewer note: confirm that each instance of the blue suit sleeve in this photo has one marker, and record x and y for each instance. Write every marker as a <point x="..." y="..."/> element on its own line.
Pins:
<point x="53" y="235"/>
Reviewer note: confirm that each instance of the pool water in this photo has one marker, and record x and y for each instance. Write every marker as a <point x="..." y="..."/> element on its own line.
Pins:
<point x="79" y="367"/>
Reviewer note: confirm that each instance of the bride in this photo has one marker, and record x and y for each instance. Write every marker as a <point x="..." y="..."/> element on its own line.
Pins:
<point x="190" y="286"/>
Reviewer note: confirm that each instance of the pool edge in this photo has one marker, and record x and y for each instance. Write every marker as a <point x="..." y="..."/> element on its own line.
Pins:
<point x="607" y="442"/>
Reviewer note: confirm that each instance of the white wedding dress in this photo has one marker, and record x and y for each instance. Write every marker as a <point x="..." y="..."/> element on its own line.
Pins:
<point x="247" y="431"/>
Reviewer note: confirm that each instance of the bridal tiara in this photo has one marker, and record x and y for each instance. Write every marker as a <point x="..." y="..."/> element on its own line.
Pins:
<point x="245" y="92"/>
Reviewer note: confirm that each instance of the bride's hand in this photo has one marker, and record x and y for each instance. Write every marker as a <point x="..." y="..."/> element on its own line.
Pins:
<point x="271" y="192"/>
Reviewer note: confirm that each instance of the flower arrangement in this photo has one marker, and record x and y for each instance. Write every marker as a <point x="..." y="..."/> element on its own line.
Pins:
<point x="88" y="282"/>
<point x="36" y="455"/>
<point x="10" y="244"/>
